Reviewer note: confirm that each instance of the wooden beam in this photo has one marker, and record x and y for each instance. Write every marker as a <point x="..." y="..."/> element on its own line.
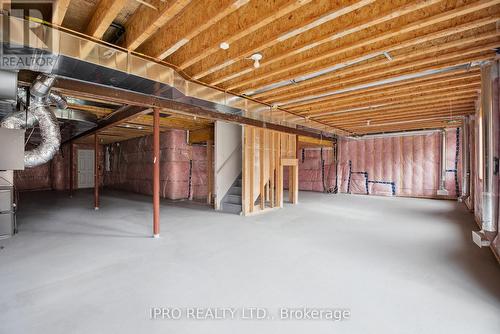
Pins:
<point x="201" y="135"/>
<point x="92" y="90"/>
<point x="119" y="116"/>
<point x="196" y="18"/>
<point x="59" y="9"/>
<point x="146" y="21"/>
<point x="297" y="22"/>
<point x="315" y="141"/>
<point x="272" y="168"/>
<point x="235" y="26"/>
<point x="210" y="171"/>
<point x="104" y="14"/>
<point x="262" y="181"/>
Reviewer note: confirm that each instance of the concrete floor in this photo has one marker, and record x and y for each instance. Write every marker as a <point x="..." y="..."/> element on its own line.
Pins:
<point x="399" y="265"/>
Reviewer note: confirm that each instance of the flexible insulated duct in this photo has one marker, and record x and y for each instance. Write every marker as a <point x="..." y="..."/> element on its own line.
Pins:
<point x="38" y="112"/>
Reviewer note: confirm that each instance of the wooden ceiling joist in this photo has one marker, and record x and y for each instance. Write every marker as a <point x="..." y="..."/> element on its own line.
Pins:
<point x="446" y="60"/>
<point x="235" y="26"/>
<point x="414" y="42"/>
<point x="189" y="23"/>
<point x="59" y="9"/>
<point x="449" y="94"/>
<point x="421" y="82"/>
<point x="369" y="114"/>
<point x="380" y="96"/>
<point x="311" y="40"/>
<point x="301" y="69"/>
<point x="363" y="66"/>
<point x="104" y="14"/>
<point x="146" y="21"/>
<point x="301" y="20"/>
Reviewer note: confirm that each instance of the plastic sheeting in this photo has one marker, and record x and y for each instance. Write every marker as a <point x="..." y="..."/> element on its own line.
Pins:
<point x="182" y="166"/>
<point x="399" y="166"/>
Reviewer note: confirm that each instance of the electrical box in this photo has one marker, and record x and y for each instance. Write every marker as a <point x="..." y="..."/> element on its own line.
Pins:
<point x="11" y="149"/>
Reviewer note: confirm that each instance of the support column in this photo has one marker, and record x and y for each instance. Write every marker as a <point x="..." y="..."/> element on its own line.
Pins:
<point x="442" y="175"/>
<point x="488" y="74"/>
<point x="96" y="172"/>
<point x="156" y="173"/>
<point x="71" y="163"/>
<point x="465" y="159"/>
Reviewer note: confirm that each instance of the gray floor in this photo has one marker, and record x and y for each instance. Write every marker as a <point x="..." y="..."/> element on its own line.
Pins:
<point x="399" y="265"/>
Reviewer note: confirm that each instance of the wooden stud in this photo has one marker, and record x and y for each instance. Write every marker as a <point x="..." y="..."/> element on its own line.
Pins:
<point x="262" y="180"/>
<point x="209" y="171"/>
<point x="251" y="159"/>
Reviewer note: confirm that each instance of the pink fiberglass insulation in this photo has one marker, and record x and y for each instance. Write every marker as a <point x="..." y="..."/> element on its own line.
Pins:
<point x="54" y="175"/>
<point x="317" y="171"/>
<point x="496" y="149"/>
<point x="36" y="178"/>
<point x="182" y="166"/>
<point x="399" y="166"/>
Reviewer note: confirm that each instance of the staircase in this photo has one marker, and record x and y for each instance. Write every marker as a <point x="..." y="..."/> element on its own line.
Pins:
<point x="231" y="203"/>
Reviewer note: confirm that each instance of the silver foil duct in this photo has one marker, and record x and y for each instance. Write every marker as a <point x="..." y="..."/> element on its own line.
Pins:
<point x="39" y="113"/>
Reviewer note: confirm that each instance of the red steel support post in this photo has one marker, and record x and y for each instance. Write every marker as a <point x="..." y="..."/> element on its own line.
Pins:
<point x="156" y="173"/>
<point x="96" y="172"/>
<point x="71" y="181"/>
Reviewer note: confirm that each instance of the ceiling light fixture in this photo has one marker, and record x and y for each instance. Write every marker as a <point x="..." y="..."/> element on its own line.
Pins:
<point x="256" y="57"/>
<point x="224" y="45"/>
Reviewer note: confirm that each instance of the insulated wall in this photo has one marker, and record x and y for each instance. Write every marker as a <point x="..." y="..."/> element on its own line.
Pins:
<point x="317" y="169"/>
<point x="399" y="165"/>
<point x="54" y="175"/>
<point x="183" y="167"/>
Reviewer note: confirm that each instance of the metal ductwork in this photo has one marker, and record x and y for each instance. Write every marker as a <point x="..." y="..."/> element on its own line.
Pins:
<point x="39" y="113"/>
<point x="488" y="74"/>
